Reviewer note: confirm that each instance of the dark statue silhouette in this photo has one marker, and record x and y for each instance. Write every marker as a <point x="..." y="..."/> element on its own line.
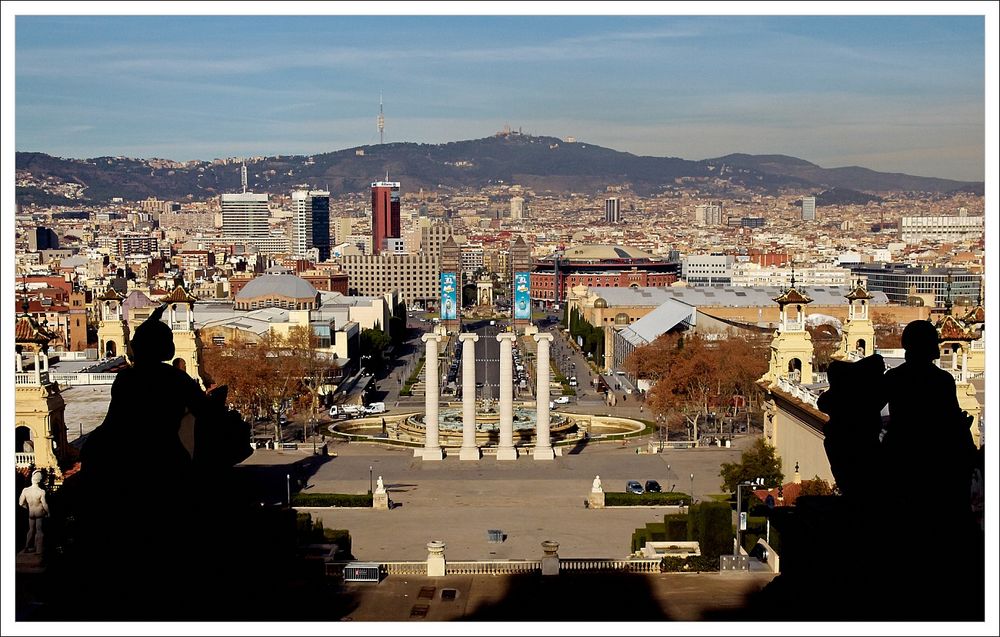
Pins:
<point x="144" y="497"/>
<point x="902" y="543"/>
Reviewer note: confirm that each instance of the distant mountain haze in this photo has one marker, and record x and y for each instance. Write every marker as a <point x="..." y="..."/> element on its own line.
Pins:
<point x="538" y="163"/>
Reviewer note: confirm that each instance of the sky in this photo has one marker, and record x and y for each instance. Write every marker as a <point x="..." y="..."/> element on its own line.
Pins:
<point x="892" y="93"/>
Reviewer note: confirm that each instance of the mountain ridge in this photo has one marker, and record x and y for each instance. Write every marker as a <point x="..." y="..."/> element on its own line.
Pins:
<point x="536" y="162"/>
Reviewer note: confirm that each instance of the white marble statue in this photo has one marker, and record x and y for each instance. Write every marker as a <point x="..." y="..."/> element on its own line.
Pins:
<point x="379" y="485"/>
<point x="597" y="485"/>
<point x="33" y="499"/>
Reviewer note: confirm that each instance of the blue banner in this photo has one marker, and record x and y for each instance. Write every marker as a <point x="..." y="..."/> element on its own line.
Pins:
<point x="449" y="299"/>
<point x="522" y="295"/>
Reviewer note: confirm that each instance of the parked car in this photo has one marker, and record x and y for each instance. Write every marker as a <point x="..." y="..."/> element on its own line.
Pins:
<point x="633" y="486"/>
<point x="652" y="486"/>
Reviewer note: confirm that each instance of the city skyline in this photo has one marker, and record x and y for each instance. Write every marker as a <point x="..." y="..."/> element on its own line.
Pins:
<point x="890" y="93"/>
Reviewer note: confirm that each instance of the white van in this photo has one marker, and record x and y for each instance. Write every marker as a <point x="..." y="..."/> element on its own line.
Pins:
<point x="375" y="408"/>
<point x="352" y="410"/>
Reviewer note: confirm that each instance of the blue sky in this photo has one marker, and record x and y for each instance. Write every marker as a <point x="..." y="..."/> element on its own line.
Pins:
<point x="892" y="93"/>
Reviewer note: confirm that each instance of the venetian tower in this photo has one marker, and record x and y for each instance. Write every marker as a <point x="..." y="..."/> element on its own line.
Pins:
<point x="39" y="421"/>
<point x="956" y="340"/>
<point x="112" y="335"/>
<point x="858" y="337"/>
<point x="791" y="347"/>
<point x="180" y="318"/>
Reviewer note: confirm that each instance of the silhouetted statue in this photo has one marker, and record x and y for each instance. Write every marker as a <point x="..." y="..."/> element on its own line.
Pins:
<point x="32" y="498"/>
<point x="928" y="433"/>
<point x="854" y="403"/>
<point x="139" y="504"/>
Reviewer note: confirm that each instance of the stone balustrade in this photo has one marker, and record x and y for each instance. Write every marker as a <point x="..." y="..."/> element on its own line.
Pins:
<point x="24" y="459"/>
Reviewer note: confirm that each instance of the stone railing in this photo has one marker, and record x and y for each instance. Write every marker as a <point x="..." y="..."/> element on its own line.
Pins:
<point x="797" y="391"/>
<point x="512" y="567"/>
<point x="24" y="459"/>
<point x="86" y="355"/>
<point x="598" y="565"/>
<point x="405" y="568"/>
<point x="83" y="378"/>
<point x="494" y="567"/>
<point x="30" y="379"/>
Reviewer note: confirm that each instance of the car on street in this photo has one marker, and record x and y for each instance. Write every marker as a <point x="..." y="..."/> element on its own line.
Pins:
<point x="562" y="400"/>
<point x="633" y="486"/>
<point x="652" y="486"/>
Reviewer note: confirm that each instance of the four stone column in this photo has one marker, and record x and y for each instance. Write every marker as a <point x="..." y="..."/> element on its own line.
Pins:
<point x="543" y="442"/>
<point x="506" y="450"/>
<point x="432" y="445"/>
<point x="469" y="449"/>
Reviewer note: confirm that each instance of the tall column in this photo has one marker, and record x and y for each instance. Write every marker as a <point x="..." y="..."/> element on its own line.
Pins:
<point x="543" y="442"/>
<point x="469" y="449"/>
<point x="506" y="450"/>
<point x="432" y="445"/>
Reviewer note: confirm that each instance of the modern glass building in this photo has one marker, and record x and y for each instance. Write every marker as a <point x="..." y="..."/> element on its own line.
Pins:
<point x="902" y="282"/>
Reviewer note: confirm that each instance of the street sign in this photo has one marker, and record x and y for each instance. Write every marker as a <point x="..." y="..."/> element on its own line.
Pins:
<point x="743" y="520"/>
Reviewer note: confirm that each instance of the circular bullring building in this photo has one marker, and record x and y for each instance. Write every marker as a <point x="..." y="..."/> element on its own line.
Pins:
<point x="598" y="266"/>
<point x="286" y="291"/>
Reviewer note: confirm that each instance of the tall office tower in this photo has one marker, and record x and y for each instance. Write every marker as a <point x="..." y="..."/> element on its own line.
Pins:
<point x="42" y="238"/>
<point x="612" y="210"/>
<point x="708" y="215"/>
<point x="517" y="207"/>
<point x="244" y="215"/>
<point x="341" y="229"/>
<point x="385" y="213"/>
<point x="311" y="223"/>
<point x="809" y="209"/>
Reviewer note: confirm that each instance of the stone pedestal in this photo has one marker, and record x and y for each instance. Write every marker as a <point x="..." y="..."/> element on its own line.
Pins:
<point x="29" y="562"/>
<point x="432" y="445"/>
<point x="550" y="558"/>
<point x="543" y="441"/>
<point x="596" y="500"/>
<point x="380" y="501"/>
<point x="469" y="449"/>
<point x="436" y="565"/>
<point x="505" y="448"/>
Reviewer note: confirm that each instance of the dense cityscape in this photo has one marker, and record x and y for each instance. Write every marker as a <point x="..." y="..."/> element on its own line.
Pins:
<point x="482" y="379"/>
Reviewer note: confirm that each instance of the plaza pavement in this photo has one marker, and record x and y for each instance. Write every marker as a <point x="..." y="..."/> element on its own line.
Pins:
<point x="457" y="502"/>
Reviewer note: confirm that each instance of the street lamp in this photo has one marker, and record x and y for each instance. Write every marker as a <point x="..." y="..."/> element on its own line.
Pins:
<point x="692" y="491"/>
<point x="314" y="436"/>
<point x="370" y="469"/>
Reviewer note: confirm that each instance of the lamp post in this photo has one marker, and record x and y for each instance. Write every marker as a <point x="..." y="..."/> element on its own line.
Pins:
<point x="370" y="468"/>
<point x="692" y="491"/>
<point x="288" y="488"/>
<point x="314" y="436"/>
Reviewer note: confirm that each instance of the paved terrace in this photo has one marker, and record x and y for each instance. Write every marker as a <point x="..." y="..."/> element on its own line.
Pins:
<point x="457" y="502"/>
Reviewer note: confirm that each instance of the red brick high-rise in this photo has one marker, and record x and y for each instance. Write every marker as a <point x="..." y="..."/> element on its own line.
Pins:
<point x="385" y="213"/>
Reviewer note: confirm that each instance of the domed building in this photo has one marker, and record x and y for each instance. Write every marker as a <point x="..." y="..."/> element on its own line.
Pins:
<point x="286" y="291"/>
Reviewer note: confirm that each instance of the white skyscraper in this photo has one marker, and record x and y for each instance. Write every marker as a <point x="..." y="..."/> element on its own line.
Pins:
<point x="708" y="215"/>
<point x="517" y="207"/>
<point x="809" y="209"/>
<point x="244" y="215"/>
<point x="612" y="210"/>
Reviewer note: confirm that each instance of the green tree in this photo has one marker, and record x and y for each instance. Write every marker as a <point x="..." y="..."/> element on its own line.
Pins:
<point x="374" y="342"/>
<point x="759" y="461"/>
<point x="816" y="486"/>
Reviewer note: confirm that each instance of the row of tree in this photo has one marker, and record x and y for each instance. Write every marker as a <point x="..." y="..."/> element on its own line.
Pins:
<point x="692" y="376"/>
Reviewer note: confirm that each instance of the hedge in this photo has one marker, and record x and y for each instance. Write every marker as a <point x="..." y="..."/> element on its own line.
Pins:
<point x="695" y="563"/>
<point x="672" y="498"/>
<point x="711" y="525"/>
<point x="652" y="532"/>
<point x="332" y="500"/>
<point x="676" y="527"/>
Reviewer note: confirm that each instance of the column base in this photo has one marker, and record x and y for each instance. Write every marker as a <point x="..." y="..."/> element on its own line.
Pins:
<point x="469" y="453"/>
<point x="508" y="453"/>
<point x="380" y="501"/>
<point x="543" y="453"/>
<point x="432" y="453"/>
